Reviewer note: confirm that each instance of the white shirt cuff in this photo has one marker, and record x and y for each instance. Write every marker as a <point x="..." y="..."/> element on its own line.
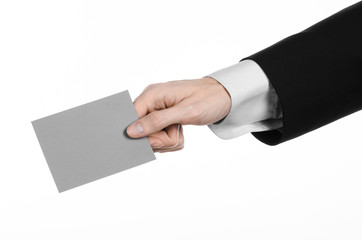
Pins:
<point x="254" y="101"/>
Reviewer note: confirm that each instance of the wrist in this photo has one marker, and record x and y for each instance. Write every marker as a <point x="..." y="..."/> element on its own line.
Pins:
<point x="214" y="81"/>
<point x="221" y="93"/>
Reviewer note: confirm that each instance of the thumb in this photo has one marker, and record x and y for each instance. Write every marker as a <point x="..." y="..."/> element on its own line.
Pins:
<point x="154" y="122"/>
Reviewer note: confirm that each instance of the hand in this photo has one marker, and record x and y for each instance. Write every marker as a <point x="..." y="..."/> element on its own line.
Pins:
<point x="164" y="107"/>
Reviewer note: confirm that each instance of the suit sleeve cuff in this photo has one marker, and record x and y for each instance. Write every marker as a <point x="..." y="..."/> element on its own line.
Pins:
<point x="254" y="102"/>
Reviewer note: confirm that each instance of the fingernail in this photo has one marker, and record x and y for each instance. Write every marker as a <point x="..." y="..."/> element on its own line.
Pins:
<point x="156" y="145"/>
<point x="136" y="129"/>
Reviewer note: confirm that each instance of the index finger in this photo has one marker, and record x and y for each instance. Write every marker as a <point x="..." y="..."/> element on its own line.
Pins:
<point x="145" y="102"/>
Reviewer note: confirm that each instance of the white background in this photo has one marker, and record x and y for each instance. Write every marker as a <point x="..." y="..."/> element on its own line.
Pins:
<point x="55" y="55"/>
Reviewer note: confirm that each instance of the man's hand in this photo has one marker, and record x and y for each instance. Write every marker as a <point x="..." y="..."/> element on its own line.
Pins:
<point x="164" y="107"/>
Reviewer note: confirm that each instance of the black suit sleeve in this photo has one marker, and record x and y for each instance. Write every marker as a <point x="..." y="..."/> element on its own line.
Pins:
<point x="317" y="74"/>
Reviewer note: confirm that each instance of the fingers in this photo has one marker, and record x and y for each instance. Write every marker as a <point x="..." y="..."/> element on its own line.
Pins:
<point x="140" y="106"/>
<point x="169" y="139"/>
<point x="144" y="104"/>
<point x="169" y="150"/>
<point x="150" y="99"/>
<point x="147" y="102"/>
<point x="155" y="121"/>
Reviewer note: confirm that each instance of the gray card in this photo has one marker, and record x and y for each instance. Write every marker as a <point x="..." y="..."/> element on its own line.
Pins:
<point x="89" y="142"/>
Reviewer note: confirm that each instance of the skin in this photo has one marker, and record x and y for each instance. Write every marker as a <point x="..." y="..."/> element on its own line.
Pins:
<point x="163" y="108"/>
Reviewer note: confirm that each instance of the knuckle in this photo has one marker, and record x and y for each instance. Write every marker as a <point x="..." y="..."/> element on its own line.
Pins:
<point x="152" y="92"/>
<point x="149" y="87"/>
<point x="152" y="86"/>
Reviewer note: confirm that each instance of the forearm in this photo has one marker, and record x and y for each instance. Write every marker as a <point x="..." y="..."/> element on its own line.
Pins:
<point x="316" y="74"/>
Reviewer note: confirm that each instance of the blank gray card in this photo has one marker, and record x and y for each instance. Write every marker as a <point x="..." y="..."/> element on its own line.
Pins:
<point x="89" y="142"/>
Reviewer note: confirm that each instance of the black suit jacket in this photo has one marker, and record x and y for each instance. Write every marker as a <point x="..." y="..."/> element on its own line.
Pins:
<point x="317" y="74"/>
